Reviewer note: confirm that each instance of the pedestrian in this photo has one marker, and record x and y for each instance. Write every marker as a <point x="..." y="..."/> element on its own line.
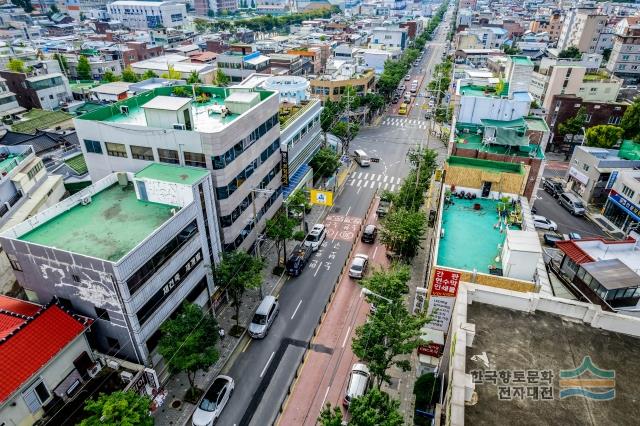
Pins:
<point x="221" y="333"/>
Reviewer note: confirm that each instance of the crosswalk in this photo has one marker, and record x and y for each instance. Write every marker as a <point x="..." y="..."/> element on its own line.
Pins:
<point x="374" y="181"/>
<point x="405" y="122"/>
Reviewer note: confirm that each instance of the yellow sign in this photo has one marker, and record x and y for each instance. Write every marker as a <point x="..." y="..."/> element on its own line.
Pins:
<point x="438" y="175"/>
<point x="323" y="198"/>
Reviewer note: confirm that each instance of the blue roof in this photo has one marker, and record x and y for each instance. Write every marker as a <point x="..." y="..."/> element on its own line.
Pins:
<point x="295" y="179"/>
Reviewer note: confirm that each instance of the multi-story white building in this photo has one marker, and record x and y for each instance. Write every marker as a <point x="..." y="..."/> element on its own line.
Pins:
<point x="126" y="251"/>
<point x="214" y="7"/>
<point x="481" y="38"/>
<point x="235" y="135"/>
<point x="389" y="38"/>
<point x="8" y="101"/>
<point x="240" y="65"/>
<point x="45" y="91"/>
<point x="625" y="54"/>
<point x="144" y="15"/>
<point x="581" y="28"/>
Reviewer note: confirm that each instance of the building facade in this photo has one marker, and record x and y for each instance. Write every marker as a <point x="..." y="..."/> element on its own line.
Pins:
<point x="625" y="55"/>
<point x="581" y="28"/>
<point x="145" y="15"/>
<point x="46" y="91"/>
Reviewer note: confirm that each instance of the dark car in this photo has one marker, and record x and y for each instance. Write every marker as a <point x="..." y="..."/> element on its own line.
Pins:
<point x="553" y="187"/>
<point x="552" y="239"/>
<point x="369" y="234"/>
<point x="299" y="258"/>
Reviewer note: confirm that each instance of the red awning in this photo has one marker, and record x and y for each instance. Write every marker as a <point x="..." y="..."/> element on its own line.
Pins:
<point x="574" y="252"/>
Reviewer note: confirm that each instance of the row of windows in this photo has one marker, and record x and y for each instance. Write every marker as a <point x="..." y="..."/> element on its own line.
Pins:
<point x="306" y="129"/>
<point x="228" y="220"/>
<point x="221" y="161"/>
<point x="224" y="192"/>
<point x="247" y="229"/>
<point x="45" y="84"/>
<point x="146" y="153"/>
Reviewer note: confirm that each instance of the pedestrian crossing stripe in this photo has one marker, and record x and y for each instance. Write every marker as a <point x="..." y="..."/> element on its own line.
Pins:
<point x="379" y="181"/>
<point x="403" y="122"/>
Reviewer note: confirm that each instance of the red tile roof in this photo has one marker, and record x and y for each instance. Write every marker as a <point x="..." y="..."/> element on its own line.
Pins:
<point x="35" y="341"/>
<point x="574" y="252"/>
<point x="18" y="306"/>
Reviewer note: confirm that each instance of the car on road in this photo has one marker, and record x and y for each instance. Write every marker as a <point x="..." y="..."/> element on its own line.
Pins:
<point x="427" y="115"/>
<point x="213" y="401"/>
<point x="542" y="222"/>
<point x="358" y="383"/>
<point x="359" y="266"/>
<point x="383" y="207"/>
<point x="316" y="237"/>
<point x="395" y="99"/>
<point x="553" y="187"/>
<point x="407" y="77"/>
<point x="264" y="316"/>
<point x="369" y="234"/>
<point x="572" y="203"/>
<point x="297" y="260"/>
<point x="403" y="109"/>
<point x="552" y="239"/>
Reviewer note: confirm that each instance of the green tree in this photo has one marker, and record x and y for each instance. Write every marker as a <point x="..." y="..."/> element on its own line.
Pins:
<point x="148" y="74"/>
<point x="221" y="78"/>
<point x="62" y="61"/>
<point x="631" y="121"/>
<point x="345" y="131"/>
<point x="349" y="99"/>
<point x="390" y="332"/>
<point x="329" y="115"/>
<point x="15" y="65"/>
<point x="570" y="52"/>
<point x="510" y="50"/>
<point x="604" y="136"/>
<point x="171" y="74"/>
<point x="411" y="193"/>
<point x="237" y="272"/>
<point x="24" y="4"/>
<point x="193" y="78"/>
<point x="110" y="77"/>
<point x="324" y="163"/>
<point x="375" y="408"/>
<point x="119" y="408"/>
<point x="402" y="231"/>
<point x="424" y="388"/>
<point x="391" y="283"/>
<point x="330" y="417"/>
<point x="181" y="91"/>
<point x="188" y="341"/>
<point x="83" y="70"/>
<point x="129" y="75"/>
<point x="280" y="229"/>
<point x="573" y="126"/>
<point x="201" y="24"/>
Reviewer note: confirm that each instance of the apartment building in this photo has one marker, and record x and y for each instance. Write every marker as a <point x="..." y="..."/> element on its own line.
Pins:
<point x="126" y="251"/>
<point x="625" y="54"/>
<point x="234" y="134"/>
<point x="8" y="101"/>
<point x="389" y="38"/>
<point x="238" y="65"/>
<point x="481" y="38"/>
<point x="47" y="91"/>
<point x="145" y="15"/>
<point x="214" y="7"/>
<point x="581" y="28"/>
<point x="338" y="76"/>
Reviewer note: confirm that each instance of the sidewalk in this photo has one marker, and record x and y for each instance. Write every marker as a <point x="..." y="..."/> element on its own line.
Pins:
<point x="175" y="411"/>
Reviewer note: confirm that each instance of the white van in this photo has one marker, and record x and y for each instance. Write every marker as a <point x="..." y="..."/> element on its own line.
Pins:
<point x="362" y="158"/>
<point x="264" y="317"/>
<point x="358" y="383"/>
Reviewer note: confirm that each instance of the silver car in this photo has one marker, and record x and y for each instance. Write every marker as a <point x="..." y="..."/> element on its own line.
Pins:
<point x="359" y="266"/>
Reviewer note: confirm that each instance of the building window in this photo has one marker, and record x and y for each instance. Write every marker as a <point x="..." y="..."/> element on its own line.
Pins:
<point x="168" y="156"/>
<point x="141" y="152"/>
<point x="102" y="314"/>
<point x="15" y="265"/>
<point x="93" y="146"/>
<point x="116" y="149"/>
<point x="76" y="278"/>
<point x="34" y="170"/>
<point x="114" y="344"/>
<point x="36" y="396"/>
<point x="585" y="167"/>
<point x="587" y="118"/>
<point x="627" y="192"/>
<point x="614" y="120"/>
<point x="194" y="159"/>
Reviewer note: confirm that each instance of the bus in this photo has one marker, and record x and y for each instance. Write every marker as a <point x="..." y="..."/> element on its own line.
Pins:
<point x="403" y="109"/>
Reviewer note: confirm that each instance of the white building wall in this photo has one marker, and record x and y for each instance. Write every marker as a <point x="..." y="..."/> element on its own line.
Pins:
<point x="475" y="108"/>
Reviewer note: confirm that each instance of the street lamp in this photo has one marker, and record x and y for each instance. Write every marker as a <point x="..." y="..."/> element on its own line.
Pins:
<point x="584" y="136"/>
<point x="368" y="292"/>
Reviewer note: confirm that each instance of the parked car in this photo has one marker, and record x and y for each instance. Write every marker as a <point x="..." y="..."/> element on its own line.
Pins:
<point x="572" y="203"/>
<point x="553" y="187"/>
<point x="552" y="239"/>
<point x="574" y="236"/>
<point x="542" y="222"/>
<point x="407" y="77"/>
<point x="395" y="99"/>
<point x="358" y="383"/>
<point x="316" y="237"/>
<point x="264" y="316"/>
<point x="383" y="207"/>
<point x="213" y="401"/>
<point x="369" y="234"/>
<point x="358" y="267"/>
<point x="299" y="258"/>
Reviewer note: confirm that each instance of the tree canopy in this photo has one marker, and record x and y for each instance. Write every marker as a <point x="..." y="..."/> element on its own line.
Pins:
<point x="171" y="74"/>
<point x="110" y="77"/>
<point x="129" y="75"/>
<point x="631" y="121"/>
<point x="221" y="78"/>
<point x="15" y="65"/>
<point x="119" y="408"/>
<point x="280" y="229"/>
<point x="83" y="69"/>
<point x="570" y="52"/>
<point x="375" y="408"/>
<point x="324" y="163"/>
<point x="604" y="136"/>
<point x="574" y="125"/>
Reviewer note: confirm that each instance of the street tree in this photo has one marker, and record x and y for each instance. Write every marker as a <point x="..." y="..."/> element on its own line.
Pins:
<point x="110" y="77"/>
<point x="571" y="52"/>
<point x="297" y="201"/>
<point x="349" y="99"/>
<point x="237" y="272"/>
<point x="280" y="229"/>
<point x="573" y="126"/>
<point x="120" y="408"/>
<point x="171" y="74"/>
<point x="221" y="78"/>
<point x="129" y="75"/>
<point x="83" y="69"/>
<point x="15" y="65"/>
<point x="375" y="408"/>
<point x="147" y="75"/>
<point x="604" y="136"/>
<point x="391" y="283"/>
<point x="324" y="163"/>
<point x="329" y="115"/>
<point x="330" y="416"/>
<point x="188" y="341"/>
<point x="390" y="333"/>
<point x="631" y="121"/>
<point x="345" y="131"/>
<point x="402" y="231"/>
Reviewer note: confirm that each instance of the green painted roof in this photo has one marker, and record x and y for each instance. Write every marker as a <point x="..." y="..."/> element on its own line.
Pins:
<point x="489" y="165"/>
<point x="504" y="124"/>
<point x="173" y="174"/>
<point x="521" y="60"/>
<point x="39" y="119"/>
<point x="110" y="226"/>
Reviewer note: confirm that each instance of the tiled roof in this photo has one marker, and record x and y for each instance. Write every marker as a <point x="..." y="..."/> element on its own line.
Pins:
<point x="41" y="141"/>
<point x="574" y="252"/>
<point x="32" y="341"/>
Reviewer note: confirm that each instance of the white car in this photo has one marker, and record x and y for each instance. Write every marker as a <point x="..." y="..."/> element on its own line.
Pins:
<point x="213" y="401"/>
<point x="542" y="222"/>
<point x="316" y="237"/>
<point x="359" y="266"/>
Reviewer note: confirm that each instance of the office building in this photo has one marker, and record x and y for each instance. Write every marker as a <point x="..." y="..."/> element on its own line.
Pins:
<point x="145" y="15"/>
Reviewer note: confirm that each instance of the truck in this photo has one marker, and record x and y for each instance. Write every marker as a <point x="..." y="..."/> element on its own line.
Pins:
<point x="298" y="259"/>
<point x="383" y="206"/>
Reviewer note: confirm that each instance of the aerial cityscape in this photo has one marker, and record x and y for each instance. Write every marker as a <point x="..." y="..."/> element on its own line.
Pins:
<point x="319" y="212"/>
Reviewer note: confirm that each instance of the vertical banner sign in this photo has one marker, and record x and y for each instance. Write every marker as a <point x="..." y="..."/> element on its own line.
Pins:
<point x="443" y="297"/>
<point x="284" y="166"/>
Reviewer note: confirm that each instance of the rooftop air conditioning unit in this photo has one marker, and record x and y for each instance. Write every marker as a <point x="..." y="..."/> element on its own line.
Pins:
<point x="93" y="371"/>
<point x="124" y="109"/>
<point x="114" y="365"/>
<point x="126" y="376"/>
<point x="179" y="126"/>
<point x="85" y="200"/>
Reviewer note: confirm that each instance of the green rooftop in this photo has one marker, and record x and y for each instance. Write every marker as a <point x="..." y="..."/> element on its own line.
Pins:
<point x="37" y="119"/>
<point x="173" y="174"/>
<point x="488" y="165"/>
<point x="521" y="60"/>
<point x="484" y="91"/>
<point x="470" y="136"/>
<point x="107" y="228"/>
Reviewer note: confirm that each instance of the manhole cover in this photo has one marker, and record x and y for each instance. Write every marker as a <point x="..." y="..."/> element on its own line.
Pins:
<point x="176" y="403"/>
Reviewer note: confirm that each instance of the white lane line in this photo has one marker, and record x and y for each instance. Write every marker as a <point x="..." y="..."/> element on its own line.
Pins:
<point x="347" y="213"/>
<point x="386" y="185"/>
<point x="373" y="257"/>
<point x="366" y="183"/>
<point x="300" y="302"/>
<point x="379" y="185"/>
<point x="346" y="336"/>
<point x="385" y="178"/>
<point x="325" y="397"/>
<point x="320" y="263"/>
<point x="359" y="175"/>
<point x="359" y="182"/>
<point x="391" y="179"/>
<point x="392" y="188"/>
<point x="351" y="182"/>
<point x="267" y="364"/>
<point x="379" y="177"/>
<point x="358" y="191"/>
<point x="366" y="176"/>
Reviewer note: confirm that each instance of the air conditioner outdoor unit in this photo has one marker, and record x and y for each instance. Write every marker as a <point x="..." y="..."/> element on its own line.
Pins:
<point x="114" y="365"/>
<point x="85" y="200"/>
<point x="93" y="371"/>
<point x="179" y="126"/>
<point x="126" y="376"/>
<point x="124" y="109"/>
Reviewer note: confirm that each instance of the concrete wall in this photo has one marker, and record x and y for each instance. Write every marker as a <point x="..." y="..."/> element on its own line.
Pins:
<point x="471" y="177"/>
<point x="475" y="108"/>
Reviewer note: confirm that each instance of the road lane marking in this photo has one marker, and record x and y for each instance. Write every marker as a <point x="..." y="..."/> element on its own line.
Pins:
<point x="346" y="336"/>
<point x="358" y="191"/>
<point x="359" y="175"/>
<point x="247" y="345"/>
<point x="351" y="182"/>
<point x="366" y="183"/>
<point x="374" y="252"/>
<point x="347" y="213"/>
<point x="359" y="182"/>
<point x="267" y="364"/>
<point x="366" y="176"/>
<point x="385" y="186"/>
<point x="297" y="307"/>
<point x="385" y="179"/>
<point x="379" y="177"/>
<point x="325" y="397"/>
<point x="392" y="188"/>
<point x="320" y="263"/>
